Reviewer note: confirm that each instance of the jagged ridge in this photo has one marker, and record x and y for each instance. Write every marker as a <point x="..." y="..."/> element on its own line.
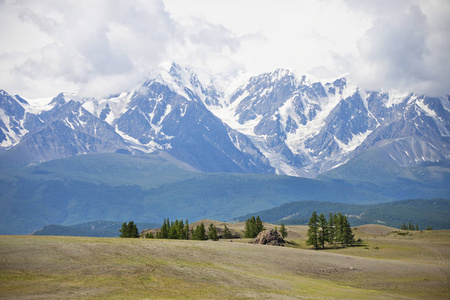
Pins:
<point x="274" y="123"/>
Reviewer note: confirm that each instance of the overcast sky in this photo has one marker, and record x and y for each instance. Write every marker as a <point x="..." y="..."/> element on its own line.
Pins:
<point x="101" y="47"/>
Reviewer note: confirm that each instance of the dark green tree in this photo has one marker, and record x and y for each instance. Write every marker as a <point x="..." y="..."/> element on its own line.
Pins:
<point x="124" y="231"/>
<point x="186" y="230"/>
<point x="149" y="235"/>
<point x="226" y="233"/>
<point x="349" y="237"/>
<point x="332" y="221"/>
<point x="164" y="232"/>
<point x="212" y="232"/>
<point x="283" y="231"/>
<point x="253" y="226"/>
<point x="173" y="231"/>
<point x="180" y="230"/>
<point x="259" y="226"/>
<point x="249" y="227"/>
<point x="313" y="230"/>
<point x="340" y="229"/>
<point x="129" y="230"/>
<point x="322" y="234"/>
<point x="199" y="233"/>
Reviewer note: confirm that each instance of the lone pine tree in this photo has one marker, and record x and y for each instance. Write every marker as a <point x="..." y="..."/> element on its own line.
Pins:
<point x="283" y="231"/>
<point x="227" y="233"/>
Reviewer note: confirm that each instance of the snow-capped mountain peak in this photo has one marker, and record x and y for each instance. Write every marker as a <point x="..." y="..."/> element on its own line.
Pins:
<point x="273" y="122"/>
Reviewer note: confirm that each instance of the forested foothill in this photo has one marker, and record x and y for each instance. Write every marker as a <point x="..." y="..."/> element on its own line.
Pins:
<point x="428" y="213"/>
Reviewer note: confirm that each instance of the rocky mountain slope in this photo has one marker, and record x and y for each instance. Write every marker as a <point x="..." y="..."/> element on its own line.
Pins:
<point x="273" y="123"/>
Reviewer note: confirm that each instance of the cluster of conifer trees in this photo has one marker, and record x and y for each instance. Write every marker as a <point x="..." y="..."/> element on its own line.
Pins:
<point x="409" y="226"/>
<point x="336" y="230"/>
<point x="174" y="230"/>
<point x="181" y="230"/>
<point x="129" y="230"/>
<point x="253" y="226"/>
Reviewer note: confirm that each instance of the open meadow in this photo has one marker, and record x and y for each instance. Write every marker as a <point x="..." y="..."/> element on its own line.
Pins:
<point x="387" y="265"/>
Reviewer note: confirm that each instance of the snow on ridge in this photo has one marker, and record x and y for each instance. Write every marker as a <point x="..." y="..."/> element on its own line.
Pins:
<point x="431" y="113"/>
<point x="11" y="137"/>
<point x="395" y="98"/>
<point x="116" y="104"/>
<point x="179" y="78"/>
<point x="150" y="147"/>
<point x="38" y="105"/>
<point x="428" y="111"/>
<point x="230" y="84"/>
<point x="356" y="140"/>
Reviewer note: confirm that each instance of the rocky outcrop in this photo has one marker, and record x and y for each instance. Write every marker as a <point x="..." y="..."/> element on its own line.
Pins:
<point x="269" y="237"/>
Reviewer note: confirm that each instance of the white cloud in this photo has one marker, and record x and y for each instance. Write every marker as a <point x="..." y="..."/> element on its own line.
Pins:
<point x="110" y="43"/>
<point x="107" y="46"/>
<point x="406" y="49"/>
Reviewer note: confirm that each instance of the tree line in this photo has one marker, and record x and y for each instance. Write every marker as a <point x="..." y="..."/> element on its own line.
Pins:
<point x="334" y="231"/>
<point x="180" y="230"/>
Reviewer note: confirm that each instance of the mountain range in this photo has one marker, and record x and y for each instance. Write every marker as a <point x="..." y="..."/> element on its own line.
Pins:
<point x="272" y="123"/>
<point x="381" y="145"/>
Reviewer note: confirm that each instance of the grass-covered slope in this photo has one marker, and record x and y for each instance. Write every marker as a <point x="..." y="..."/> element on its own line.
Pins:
<point x="387" y="266"/>
<point x="425" y="213"/>
<point x="146" y="188"/>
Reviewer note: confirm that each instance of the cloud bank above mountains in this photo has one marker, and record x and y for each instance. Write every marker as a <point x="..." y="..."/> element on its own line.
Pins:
<point x="102" y="47"/>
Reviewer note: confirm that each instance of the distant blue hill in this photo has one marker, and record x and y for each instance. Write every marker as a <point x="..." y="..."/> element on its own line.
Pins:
<point x="147" y="188"/>
<point x="94" y="229"/>
<point x="434" y="213"/>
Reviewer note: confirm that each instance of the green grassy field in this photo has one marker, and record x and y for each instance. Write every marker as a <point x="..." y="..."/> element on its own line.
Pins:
<point x="388" y="265"/>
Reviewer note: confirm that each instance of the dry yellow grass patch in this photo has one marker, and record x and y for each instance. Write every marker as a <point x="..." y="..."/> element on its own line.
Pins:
<point x="36" y="267"/>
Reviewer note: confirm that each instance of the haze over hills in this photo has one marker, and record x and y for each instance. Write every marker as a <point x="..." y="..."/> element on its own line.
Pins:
<point x="147" y="188"/>
<point x="178" y="127"/>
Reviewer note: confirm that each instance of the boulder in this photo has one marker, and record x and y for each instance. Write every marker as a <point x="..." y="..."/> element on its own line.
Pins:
<point x="269" y="237"/>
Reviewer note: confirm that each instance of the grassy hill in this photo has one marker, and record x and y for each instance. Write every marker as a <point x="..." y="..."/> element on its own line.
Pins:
<point x="426" y="213"/>
<point x="387" y="266"/>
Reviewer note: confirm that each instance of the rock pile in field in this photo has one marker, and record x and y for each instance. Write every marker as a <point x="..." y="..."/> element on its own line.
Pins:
<point x="269" y="237"/>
